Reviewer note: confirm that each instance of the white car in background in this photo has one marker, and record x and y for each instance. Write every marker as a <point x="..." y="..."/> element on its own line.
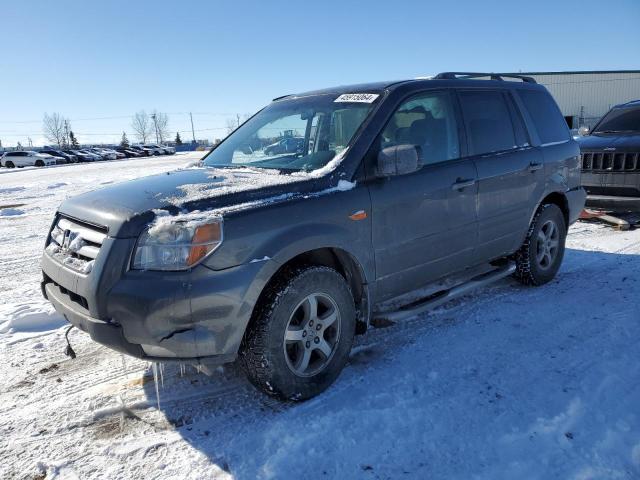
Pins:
<point x="26" y="158"/>
<point x="156" y="149"/>
<point x="119" y="155"/>
<point x="104" y="153"/>
<point x="93" y="156"/>
<point x="168" y="150"/>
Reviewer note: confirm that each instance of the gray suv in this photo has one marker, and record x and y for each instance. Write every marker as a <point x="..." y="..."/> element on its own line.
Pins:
<point x="401" y="196"/>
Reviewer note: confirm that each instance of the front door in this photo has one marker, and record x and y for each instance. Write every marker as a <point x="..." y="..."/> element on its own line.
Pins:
<point x="424" y="224"/>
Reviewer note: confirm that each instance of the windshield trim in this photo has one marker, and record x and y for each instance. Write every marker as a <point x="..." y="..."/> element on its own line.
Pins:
<point x="382" y="95"/>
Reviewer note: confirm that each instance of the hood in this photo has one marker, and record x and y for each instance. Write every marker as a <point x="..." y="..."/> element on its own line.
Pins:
<point x="622" y="142"/>
<point x="125" y="208"/>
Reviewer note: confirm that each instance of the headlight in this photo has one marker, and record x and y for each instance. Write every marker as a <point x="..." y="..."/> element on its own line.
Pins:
<point x="176" y="245"/>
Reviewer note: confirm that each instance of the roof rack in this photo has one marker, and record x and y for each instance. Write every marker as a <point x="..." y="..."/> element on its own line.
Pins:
<point x="492" y="76"/>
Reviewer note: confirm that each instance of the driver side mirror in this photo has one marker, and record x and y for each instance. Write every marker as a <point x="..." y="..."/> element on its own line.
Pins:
<point x="582" y="131"/>
<point x="398" y="160"/>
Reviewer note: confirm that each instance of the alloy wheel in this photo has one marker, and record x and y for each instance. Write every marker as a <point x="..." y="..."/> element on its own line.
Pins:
<point x="548" y="243"/>
<point x="312" y="334"/>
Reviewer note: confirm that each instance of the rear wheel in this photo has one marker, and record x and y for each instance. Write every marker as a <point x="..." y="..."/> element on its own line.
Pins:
<point x="300" y="337"/>
<point x="541" y="254"/>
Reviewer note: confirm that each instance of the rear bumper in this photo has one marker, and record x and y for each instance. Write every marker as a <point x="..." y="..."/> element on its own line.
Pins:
<point x="614" y="203"/>
<point x="576" y="200"/>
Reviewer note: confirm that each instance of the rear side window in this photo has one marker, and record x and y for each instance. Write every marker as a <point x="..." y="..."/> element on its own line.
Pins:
<point x="546" y="116"/>
<point x="522" y="137"/>
<point x="488" y="121"/>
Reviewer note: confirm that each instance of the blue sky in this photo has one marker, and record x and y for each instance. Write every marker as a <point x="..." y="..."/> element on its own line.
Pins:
<point x="97" y="63"/>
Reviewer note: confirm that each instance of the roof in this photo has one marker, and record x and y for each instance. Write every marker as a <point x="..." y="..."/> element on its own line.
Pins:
<point x="359" y="87"/>
<point x="632" y="103"/>
<point x="376" y="87"/>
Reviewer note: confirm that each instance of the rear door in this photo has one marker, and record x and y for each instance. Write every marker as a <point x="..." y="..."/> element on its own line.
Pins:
<point x="22" y="159"/>
<point x="424" y="224"/>
<point x="510" y="170"/>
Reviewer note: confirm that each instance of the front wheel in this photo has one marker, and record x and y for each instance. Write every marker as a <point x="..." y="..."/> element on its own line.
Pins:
<point x="300" y="337"/>
<point x="541" y="254"/>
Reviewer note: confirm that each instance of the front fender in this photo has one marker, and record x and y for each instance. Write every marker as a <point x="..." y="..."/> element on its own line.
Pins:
<point x="281" y="231"/>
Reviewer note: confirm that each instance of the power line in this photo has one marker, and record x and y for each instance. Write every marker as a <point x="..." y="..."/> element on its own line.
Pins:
<point x="120" y="117"/>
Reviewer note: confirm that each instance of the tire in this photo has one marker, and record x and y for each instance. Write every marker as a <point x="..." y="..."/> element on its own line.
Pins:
<point x="541" y="254"/>
<point x="39" y="163"/>
<point x="296" y="368"/>
<point x="9" y="164"/>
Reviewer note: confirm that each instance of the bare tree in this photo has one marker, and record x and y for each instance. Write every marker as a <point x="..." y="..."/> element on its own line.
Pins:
<point x="54" y="128"/>
<point x="161" y="125"/>
<point x="141" y="125"/>
<point x="232" y="124"/>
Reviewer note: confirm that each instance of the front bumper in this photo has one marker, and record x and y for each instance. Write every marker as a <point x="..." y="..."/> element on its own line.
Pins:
<point x="611" y="202"/>
<point x="191" y="315"/>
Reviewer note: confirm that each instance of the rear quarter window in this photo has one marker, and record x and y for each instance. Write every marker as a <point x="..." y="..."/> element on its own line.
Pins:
<point x="545" y="115"/>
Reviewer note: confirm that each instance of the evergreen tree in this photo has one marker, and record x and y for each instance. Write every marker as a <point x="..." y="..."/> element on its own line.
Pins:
<point x="178" y="139"/>
<point x="73" y="140"/>
<point x="124" y="143"/>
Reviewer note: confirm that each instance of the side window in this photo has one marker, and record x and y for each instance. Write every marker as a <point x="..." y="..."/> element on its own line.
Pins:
<point x="522" y="136"/>
<point x="428" y="121"/>
<point x="546" y="116"/>
<point x="486" y="116"/>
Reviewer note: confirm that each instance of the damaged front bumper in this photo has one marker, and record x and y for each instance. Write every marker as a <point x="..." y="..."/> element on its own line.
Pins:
<point x="191" y="315"/>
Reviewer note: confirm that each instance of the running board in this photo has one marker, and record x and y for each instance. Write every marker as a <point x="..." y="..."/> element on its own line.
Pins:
<point x="438" y="299"/>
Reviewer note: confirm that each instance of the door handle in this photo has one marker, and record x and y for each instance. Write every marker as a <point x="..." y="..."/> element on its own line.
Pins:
<point x="533" y="166"/>
<point x="461" y="184"/>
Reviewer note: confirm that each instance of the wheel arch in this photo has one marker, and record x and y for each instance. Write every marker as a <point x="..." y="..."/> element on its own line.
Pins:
<point x="344" y="262"/>
<point x="560" y="200"/>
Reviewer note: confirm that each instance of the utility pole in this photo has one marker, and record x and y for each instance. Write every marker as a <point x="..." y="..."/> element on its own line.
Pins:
<point x="66" y="132"/>
<point x="193" y="132"/>
<point x="238" y="118"/>
<point x="153" y="115"/>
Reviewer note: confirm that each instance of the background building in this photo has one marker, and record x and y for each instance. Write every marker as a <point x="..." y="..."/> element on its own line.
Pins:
<point x="585" y="96"/>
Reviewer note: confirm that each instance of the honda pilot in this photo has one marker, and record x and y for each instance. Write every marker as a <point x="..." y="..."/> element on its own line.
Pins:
<point x="400" y="196"/>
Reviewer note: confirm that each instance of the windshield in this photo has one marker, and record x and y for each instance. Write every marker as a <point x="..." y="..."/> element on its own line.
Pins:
<point x="620" y="120"/>
<point x="298" y="134"/>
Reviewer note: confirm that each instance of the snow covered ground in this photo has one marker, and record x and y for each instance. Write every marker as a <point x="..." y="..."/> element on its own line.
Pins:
<point x="509" y="382"/>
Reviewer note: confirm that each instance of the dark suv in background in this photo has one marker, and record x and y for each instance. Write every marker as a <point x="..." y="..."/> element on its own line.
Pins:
<point x="611" y="159"/>
<point x="401" y="193"/>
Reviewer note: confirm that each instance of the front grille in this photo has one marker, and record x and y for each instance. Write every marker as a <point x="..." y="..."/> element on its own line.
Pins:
<point x="610" y="161"/>
<point x="76" y="244"/>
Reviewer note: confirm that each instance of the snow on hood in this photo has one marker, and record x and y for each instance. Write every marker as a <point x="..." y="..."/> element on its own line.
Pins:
<point x="223" y="181"/>
<point x="164" y="219"/>
<point x="125" y="207"/>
